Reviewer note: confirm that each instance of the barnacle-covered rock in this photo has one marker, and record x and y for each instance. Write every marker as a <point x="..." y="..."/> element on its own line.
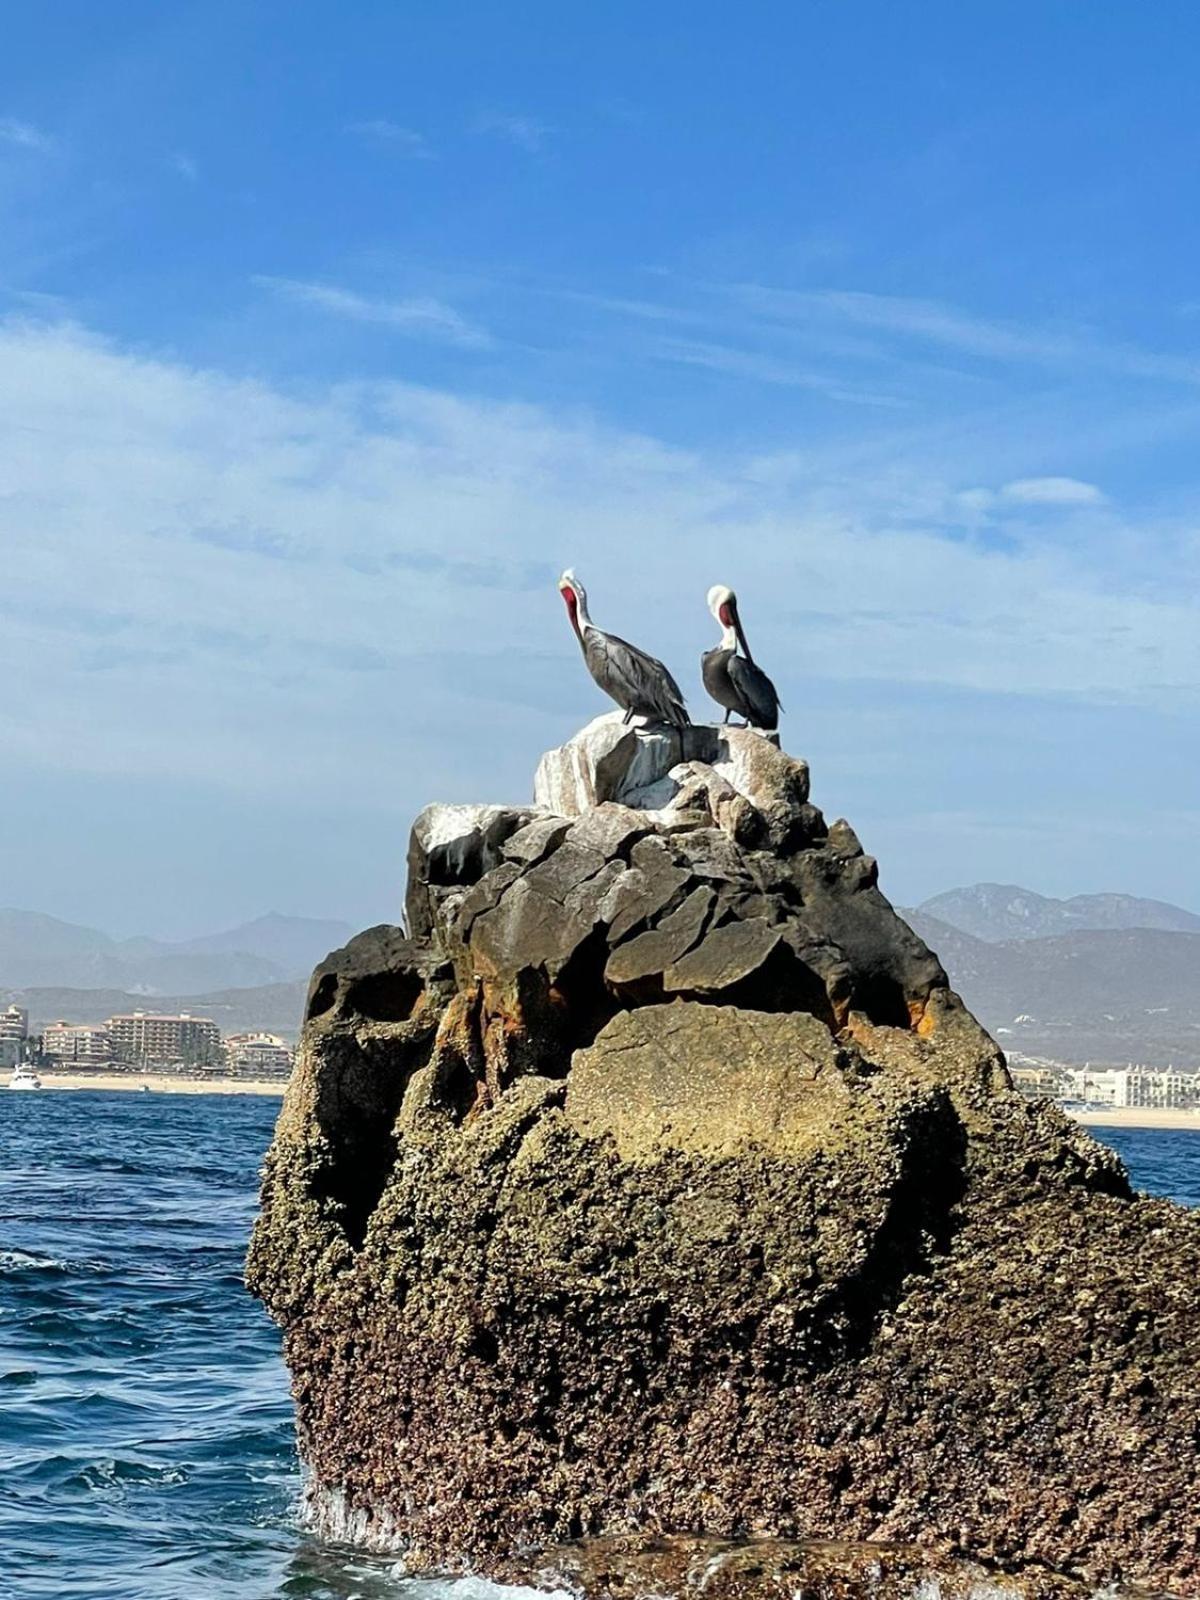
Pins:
<point x="653" y="1182"/>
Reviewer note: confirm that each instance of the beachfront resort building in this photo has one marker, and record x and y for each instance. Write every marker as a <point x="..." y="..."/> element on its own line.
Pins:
<point x="14" y="1030"/>
<point x="1141" y="1087"/>
<point x="1037" y="1080"/>
<point x="14" y="1023"/>
<point x="1133" y="1087"/>
<point x="258" y="1055"/>
<point x="82" y="1044"/>
<point x="145" y="1038"/>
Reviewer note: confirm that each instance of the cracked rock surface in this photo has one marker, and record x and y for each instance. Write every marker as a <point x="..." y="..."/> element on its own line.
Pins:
<point x="654" y="1185"/>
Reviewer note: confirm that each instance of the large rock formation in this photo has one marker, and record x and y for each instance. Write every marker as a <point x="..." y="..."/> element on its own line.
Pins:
<point x="655" y="1182"/>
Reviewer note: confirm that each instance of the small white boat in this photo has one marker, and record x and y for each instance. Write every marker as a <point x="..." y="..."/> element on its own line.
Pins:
<point x="24" y="1077"/>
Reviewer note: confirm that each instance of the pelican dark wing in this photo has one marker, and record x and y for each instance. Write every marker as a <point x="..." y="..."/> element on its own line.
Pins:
<point x="759" y="703"/>
<point x="714" y="671"/>
<point x="741" y="687"/>
<point x="638" y="683"/>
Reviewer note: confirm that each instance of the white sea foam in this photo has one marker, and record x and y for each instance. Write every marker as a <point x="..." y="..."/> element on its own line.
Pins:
<point x="25" y="1261"/>
<point x="471" y="1587"/>
<point x="328" y="1513"/>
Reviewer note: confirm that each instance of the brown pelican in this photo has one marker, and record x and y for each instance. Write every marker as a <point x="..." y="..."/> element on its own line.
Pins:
<point x="733" y="680"/>
<point x="639" y="684"/>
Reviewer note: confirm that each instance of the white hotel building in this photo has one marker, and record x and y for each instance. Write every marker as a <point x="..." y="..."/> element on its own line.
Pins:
<point x="1135" y="1086"/>
<point x="14" y="1030"/>
<point x="258" y="1055"/>
<point x="85" y="1044"/>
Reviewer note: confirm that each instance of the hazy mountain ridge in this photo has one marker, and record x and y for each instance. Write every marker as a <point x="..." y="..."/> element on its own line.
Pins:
<point x="1102" y="995"/>
<point x="996" y="912"/>
<point x="42" y="952"/>
<point x="1093" y="992"/>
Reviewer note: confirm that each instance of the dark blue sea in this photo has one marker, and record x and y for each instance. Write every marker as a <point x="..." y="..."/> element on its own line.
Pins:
<point x="146" y="1445"/>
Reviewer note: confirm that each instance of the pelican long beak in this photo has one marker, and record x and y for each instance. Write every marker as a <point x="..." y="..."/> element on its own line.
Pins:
<point x="741" y="637"/>
<point x="572" y="601"/>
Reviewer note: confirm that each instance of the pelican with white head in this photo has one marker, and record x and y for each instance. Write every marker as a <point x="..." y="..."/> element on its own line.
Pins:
<point x="736" y="681"/>
<point x="638" y="682"/>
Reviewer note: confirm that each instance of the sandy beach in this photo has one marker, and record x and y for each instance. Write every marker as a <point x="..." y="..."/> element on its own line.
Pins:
<point x="1138" y="1117"/>
<point x="168" y="1083"/>
<point x="159" y="1082"/>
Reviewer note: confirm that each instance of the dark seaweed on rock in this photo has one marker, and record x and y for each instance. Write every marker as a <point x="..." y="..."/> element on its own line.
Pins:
<point x="656" y="1182"/>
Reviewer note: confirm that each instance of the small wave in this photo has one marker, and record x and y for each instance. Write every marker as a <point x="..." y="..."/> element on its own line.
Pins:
<point x="980" y="1589"/>
<point x="112" y="1472"/>
<point x="471" y="1587"/>
<point x="25" y="1261"/>
<point x="329" y="1514"/>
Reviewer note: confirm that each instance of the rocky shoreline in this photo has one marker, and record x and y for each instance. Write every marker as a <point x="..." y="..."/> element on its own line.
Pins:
<point x="653" y="1182"/>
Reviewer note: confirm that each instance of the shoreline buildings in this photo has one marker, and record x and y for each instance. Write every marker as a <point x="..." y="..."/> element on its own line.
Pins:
<point x="1141" y="1087"/>
<point x="1133" y="1086"/>
<point x="14" y="1031"/>
<point x="148" y="1039"/>
<point x="258" y="1055"/>
<point x="78" y="1043"/>
<point x="142" y="1038"/>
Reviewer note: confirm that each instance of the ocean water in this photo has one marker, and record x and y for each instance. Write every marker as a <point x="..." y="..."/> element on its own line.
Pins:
<point x="146" y="1445"/>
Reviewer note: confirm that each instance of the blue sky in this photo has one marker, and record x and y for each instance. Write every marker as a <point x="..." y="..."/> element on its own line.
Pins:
<point x="330" y="333"/>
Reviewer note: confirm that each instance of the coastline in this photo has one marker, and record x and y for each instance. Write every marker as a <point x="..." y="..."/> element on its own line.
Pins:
<point x="1138" y="1117"/>
<point x="159" y="1083"/>
<point x="170" y="1083"/>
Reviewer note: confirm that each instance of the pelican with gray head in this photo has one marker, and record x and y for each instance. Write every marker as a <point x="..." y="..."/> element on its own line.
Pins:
<point x="640" y="685"/>
<point x="734" y="681"/>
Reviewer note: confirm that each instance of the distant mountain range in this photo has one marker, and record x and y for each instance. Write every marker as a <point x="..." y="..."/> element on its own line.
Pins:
<point x="1001" y="911"/>
<point x="37" y="951"/>
<point x="1111" y="978"/>
<point x="1103" y="977"/>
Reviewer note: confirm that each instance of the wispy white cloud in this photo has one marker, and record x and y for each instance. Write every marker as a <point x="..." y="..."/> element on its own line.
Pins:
<point x="24" y="135"/>
<point x="975" y="502"/>
<point x="38" y="302"/>
<point x="760" y="367"/>
<point x="925" y="320"/>
<point x="933" y="323"/>
<point x="895" y="350"/>
<point x="226" y="583"/>
<point x="400" y="140"/>
<point x="256" y="505"/>
<point x="183" y="166"/>
<point x="1053" y="492"/>
<point x="421" y="316"/>
<point x="1038" y="494"/>
<point x="623" y="306"/>
<point x="527" y="133"/>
